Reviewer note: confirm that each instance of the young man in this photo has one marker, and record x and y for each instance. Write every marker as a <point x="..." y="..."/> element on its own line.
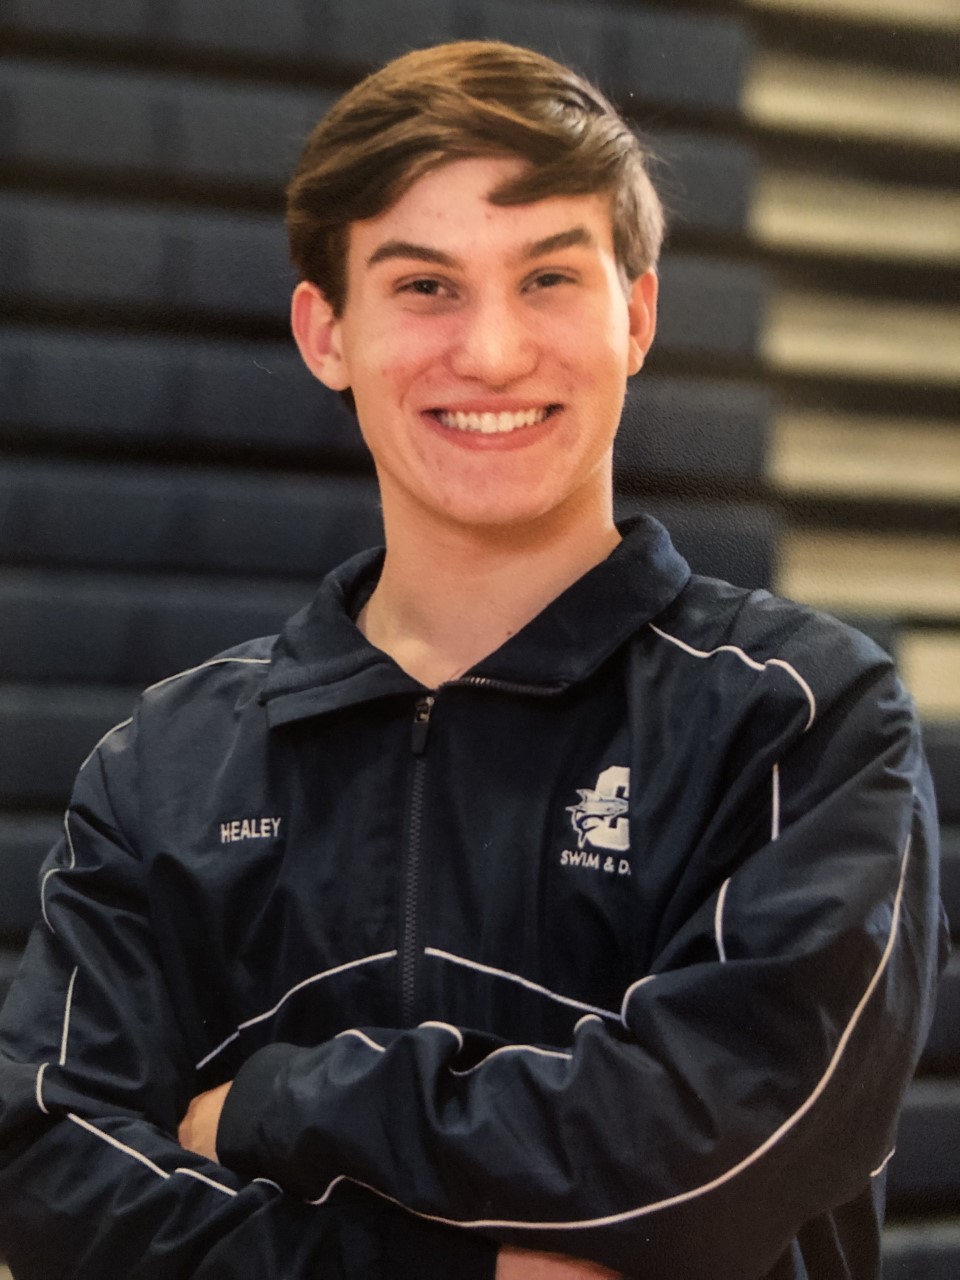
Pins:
<point x="529" y="907"/>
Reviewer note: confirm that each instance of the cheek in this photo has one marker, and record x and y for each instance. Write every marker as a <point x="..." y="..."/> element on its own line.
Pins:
<point x="593" y="340"/>
<point x="410" y="353"/>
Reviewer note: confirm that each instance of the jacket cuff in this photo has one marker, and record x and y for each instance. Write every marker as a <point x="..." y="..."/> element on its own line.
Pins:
<point x="417" y="1248"/>
<point x="237" y="1128"/>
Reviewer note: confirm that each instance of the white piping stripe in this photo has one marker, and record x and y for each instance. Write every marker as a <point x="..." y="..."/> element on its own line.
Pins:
<point x="69" y="838"/>
<point x="202" y="1177"/>
<point x="66" y="1018"/>
<point x="144" y="1160"/>
<point x="883" y="1164"/>
<point x="514" y="977"/>
<point x="775" y="804"/>
<point x="219" y="1049"/>
<point x="43" y="902"/>
<point x="120" y="1146"/>
<point x="316" y="977"/>
<point x="445" y="1026"/>
<point x="587" y="1017"/>
<point x="718" y="921"/>
<point x="89" y="756"/>
<point x="644" y="1210"/>
<point x="792" y="671"/>
<point x="360" y="1035"/>
<point x="342" y="1177"/>
<point x="775" y="1137"/>
<point x="634" y="986"/>
<point x="269" y="1182"/>
<point x="53" y="870"/>
<point x="211" y="662"/>
<point x="751" y="662"/>
<point x="39" y="1091"/>
<point x="515" y="1048"/>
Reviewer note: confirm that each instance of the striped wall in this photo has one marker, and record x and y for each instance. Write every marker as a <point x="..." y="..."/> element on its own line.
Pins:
<point x="173" y="481"/>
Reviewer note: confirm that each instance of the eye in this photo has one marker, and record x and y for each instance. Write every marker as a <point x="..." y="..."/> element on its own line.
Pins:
<point x="549" y="280"/>
<point x="423" y="287"/>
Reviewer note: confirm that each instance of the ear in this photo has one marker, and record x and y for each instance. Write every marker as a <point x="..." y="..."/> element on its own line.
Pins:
<point x="642" y="308"/>
<point x="318" y="335"/>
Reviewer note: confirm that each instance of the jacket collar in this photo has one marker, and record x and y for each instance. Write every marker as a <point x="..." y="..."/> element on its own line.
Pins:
<point x="322" y="662"/>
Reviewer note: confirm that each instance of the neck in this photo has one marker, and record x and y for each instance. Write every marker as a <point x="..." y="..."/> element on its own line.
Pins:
<point x="451" y="594"/>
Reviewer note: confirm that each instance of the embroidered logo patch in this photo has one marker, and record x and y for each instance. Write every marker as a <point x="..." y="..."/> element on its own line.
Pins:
<point x="600" y="816"/>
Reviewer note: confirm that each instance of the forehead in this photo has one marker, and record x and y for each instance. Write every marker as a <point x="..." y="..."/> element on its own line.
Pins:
<point x="449" y="209"/>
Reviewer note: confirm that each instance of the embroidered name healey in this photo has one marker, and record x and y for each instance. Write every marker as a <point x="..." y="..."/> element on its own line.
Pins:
<point x="249" y="829"/>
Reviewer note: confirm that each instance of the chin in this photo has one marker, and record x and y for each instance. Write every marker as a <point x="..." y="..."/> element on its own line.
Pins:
<point x="489" y="517"/>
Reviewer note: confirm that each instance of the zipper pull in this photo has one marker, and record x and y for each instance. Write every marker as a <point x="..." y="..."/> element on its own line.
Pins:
<point x="421" y="725"/>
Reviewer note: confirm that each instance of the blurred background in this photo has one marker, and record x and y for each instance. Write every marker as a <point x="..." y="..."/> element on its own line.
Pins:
<point x="172" y="481"/>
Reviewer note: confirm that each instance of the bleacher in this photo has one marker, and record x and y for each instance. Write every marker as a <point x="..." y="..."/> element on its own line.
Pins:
<point x="173" y="480"/>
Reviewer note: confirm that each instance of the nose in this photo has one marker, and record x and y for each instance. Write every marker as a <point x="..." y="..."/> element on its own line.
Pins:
<point x="495" y="342"/>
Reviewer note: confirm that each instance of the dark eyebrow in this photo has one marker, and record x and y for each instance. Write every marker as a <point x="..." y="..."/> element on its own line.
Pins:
<point x="575" y="237"/>
<point x="404" y="249"/>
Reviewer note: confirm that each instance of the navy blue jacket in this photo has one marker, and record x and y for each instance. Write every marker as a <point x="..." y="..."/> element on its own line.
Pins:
<point x="621" y="945"/>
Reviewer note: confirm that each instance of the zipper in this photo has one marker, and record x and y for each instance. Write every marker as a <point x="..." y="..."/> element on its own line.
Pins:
<point x="509" y="686"/>
<point x="408" y="947"/>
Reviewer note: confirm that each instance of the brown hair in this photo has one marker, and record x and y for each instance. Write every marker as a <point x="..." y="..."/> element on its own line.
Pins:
<point x="454" y="101"/>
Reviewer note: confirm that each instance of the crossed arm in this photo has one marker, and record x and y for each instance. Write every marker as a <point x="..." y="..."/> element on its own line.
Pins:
<point x="771" y="1076"/>
<point x="198" y="1133"/>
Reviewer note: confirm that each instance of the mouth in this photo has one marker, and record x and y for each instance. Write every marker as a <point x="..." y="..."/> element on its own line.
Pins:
<point x="493" y="424"/>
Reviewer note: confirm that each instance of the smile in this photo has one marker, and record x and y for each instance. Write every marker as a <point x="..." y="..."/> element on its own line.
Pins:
<point x="489" y="424"/>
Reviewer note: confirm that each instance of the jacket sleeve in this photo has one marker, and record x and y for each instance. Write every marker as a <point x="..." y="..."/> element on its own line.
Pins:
<point x="94" y="1079"/>
<point x="754" y="1080"/>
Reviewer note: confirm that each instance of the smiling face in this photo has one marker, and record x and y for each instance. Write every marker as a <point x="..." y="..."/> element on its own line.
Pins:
<point x="487" y="348"/>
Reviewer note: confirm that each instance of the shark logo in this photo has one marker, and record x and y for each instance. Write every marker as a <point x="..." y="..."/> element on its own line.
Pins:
<point x="600" y="816"/>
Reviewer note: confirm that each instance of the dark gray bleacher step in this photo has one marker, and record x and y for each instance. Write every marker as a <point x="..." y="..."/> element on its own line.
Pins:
<point x="162" y="261"/>
<point x="63" y="627"/>
<point x="705" y="182"/>
<point x="927" y="1249"/>
<point x="697" y="430"/>
<point x="942" y="743"/>
<point x="45" y="735"/>
<point x="694" y="60"/>
<point x="190" y="518"/>
<point x="154" y="258"/>
<point x="184" y="518"/>
<point x="942" y="1051"/>
<point x="711" y="307"/>
<point x="96" y="388"/>
<point x="25" y="840"/>
<point x="147" y="122"/>
<point x="195" y="128"/>
<point x="925" y="1171"/>
<point x="729" y="540"/>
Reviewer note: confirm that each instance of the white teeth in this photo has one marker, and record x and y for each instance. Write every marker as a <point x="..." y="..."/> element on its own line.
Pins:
<point x="491" y="423"/>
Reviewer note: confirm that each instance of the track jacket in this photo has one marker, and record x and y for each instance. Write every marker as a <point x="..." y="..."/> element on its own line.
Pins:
<point x="621" y="945"/>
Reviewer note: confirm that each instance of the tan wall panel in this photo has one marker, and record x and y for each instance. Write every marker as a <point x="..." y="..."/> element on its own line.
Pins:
<point x="841" y="98"/>
<point x="937" y="14"/>
<point x="930" y="662"/>
<point x="865" y="457"/>
<point x="819" y="333"/>
<point x="872" y="573"/>
<point x="804" y="211"/>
